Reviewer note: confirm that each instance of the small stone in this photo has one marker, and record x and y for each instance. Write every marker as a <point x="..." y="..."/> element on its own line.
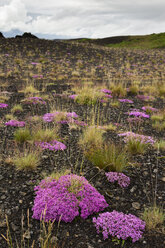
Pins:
<point x="89" y="246"/>
<point x="44" y="156"/>
<point x="14" y="227"/>
<point x="3" y="197"/>
<point x="3" y="223"/>
<point x="27" y="235"/>
<point x="54" y="239"/>
<point x="145" y="173"/>
<point x="136" y="205"/>
<point x="20" y="201"/>
<point x="163" y="179"/>
<point x="133" y="189"/>
<point x="22" y="193"/>
<point x="99" y="185"/>
<point x="144" y="242"/>
<point x="1" y="177"/>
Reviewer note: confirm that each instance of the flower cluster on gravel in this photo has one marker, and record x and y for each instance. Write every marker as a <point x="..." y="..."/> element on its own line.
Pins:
<point x="138" y="137"/>
<point x="107" y="94"/>
<point x="73" y="96"/>
<point x="3" y="105"/>
<point x="121" y="178"/>
<point x="145" y="98"/>
<point x="106" y="91"/>
<point x="125" y="100"/>
<point x="119" y="225"/>
<point x="64" y="197"/>
<point x="138" y="114"/>
<point x="34" y="100"/>
<point x="53" y="145"/>
<point x="148" y="108"/>
<point x="15" y="123"/>
<point x="68" y="116"/>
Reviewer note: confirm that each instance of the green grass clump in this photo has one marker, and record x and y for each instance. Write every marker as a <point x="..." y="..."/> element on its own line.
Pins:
<point x="91" y="139"/>
<point x="10" y="117"/>
<point x="115" y="104"/>
<point x="45" y="135"/>
<point x="160" y="145"/>
<point x="136" y="146"/>
<point x="161" y="90"/>
<point x="110" y="158"/>
<point x="27" y="160"/>
<point x="88" y="95"/>
<point x="22" y="135"/>
<point x="16" y="108"/>
<point x="118" y="90"/>
<point x="153" y="217"/>
<point x="134" y="89"/>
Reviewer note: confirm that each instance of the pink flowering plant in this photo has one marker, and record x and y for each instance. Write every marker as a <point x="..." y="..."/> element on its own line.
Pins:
<point x="138" y="137"/>
<point x="149" y="109"/>
<point x="121" y="178"/>
<point x="137" y="113"/>
<point x="119" y="225"/>
<point x="125" y="101"/>
<point x="137" y="143"/>
<point x="15" y="123"/>
<point x="60" y="117"/>
<point x="34" y="100"/>
<point x="53" y="145"/>
<point x="63" y="118"/>
<point x="3" y="105"/>
<point x="145" y="98"/>
<point x="106" y="91"/>
<point x="63" y="198"/>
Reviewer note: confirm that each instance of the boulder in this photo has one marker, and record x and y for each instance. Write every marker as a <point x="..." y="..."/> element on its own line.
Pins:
<point x="1" y="35"/>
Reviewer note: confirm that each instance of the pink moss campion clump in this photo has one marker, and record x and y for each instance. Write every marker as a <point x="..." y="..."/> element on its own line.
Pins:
<point x="138" y="114"/>
<point x="34" y="100"/>
<point x="125" y="100"/>
<point x="3" y="105"/>
<point x="119" y="225"/>
<point x="37" y="76"/>
<point x="73" y="96"/>
<point x="121" y="178"/>
<point x="107" y="96"/>
<point x="138" y="137"/>
<point x="34" y="63"/>
<point x="54" y="145"/>
<point x="15" y="123"/>
<point x="145" y="98"/>
<point x="63" y="198"/>
<point x="149" y="109"/>
<point x="67" y="117"/>
<point x="106" y="91"/>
